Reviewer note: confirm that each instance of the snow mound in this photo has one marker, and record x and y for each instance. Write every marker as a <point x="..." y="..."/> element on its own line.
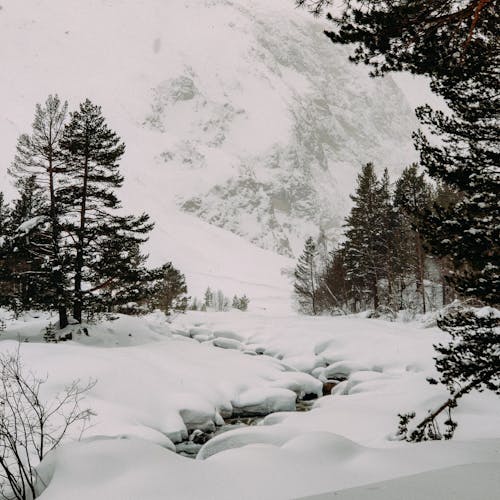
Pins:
<point x="263" y="401"/>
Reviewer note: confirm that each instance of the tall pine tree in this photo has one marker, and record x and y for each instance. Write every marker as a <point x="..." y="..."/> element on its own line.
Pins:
<point x="38" y="157"/>
<point x="413" y="197"/>
<point x="91" y="152"/>
<point x="366" y="246"/>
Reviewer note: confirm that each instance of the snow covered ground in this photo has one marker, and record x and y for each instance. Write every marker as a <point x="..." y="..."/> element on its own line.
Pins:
<point x="158" y="381"/>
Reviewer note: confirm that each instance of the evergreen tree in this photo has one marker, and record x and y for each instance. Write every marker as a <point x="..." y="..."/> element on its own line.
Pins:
<point x="387" y="239"/>
<point x="4" y="217"/>
<point x="306" y="279"/>
<point x="91" y="153"/>
<point x="240" y="303"/>
<point x="471" y="361"/>
<point x="467" y="232"/>
<point x="413" y="197"/>
<point x="428" y="37"/>
<point x="169" y="292"/>
<point x="5" y="236"/>
<point x="334" y="288"/>
<point x="236" y="302"/>
<point x="27" y="275"/>
<point x="365" y="245"/>
<point x="244" y="301"/>
<point x="208" y="298"/>
<point x="38" y="158"/>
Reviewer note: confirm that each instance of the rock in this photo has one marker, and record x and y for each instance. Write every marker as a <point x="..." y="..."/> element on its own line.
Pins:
<point x="328" y="386"/>
<point x="263" y="401"/>
<point x="199" y="437"/>
<point x="197" y="331"/>
<point x="311" y="396"/>
<point x="226" y="343"/>
<point x="228" y="334"/>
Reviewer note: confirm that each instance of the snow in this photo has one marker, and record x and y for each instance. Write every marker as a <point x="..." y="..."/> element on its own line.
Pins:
<point x="461" y="482"/>
<point x="156" y="386"/>
<point x="115" y="469"/>
<point x="28" y="226"/>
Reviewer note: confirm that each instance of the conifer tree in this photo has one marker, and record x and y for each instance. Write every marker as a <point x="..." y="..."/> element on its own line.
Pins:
<point x="208" y="298"/>
<point x="38" y="157"/>
<point x="169" y="291"/>
<point x="365" y="246"/>
<point x="413" y="196"/>
<point x="28" y="276"/>
<point x="334" y="285"/>
<point x="306" y="279"/>
<point x="5" y="235"/>
<point x="91" y="152"/>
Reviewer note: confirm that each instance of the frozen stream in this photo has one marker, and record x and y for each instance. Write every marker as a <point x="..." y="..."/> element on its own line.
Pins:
<point x="197" y="438"/>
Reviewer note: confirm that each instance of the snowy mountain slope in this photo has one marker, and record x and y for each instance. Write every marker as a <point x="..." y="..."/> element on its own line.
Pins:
<point x="240" y="113"/>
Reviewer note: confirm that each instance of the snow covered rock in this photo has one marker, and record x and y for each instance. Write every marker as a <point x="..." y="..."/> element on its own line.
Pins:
<point x="262" y="401"/>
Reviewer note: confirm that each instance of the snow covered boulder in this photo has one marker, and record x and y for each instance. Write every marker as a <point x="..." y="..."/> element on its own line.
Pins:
<point x="228" y="334"/>
<point x="226" y="343"/>
<point x="262" y="401"/>
<point x="197" y="333"/>
<point x="300" y="383"/>
<point x="341" y="370"/>
<point x="245" y="436"/>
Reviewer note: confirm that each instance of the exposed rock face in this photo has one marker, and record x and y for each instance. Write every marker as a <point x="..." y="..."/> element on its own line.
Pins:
<point x="239" y="112"/>
<point x="279" y="137"/>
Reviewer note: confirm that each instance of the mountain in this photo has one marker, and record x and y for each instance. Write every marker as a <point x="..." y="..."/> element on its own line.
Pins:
<point x="236" y="114"/>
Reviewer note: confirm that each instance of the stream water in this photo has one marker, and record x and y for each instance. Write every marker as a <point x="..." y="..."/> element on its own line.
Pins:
<point x="197" y="438"/>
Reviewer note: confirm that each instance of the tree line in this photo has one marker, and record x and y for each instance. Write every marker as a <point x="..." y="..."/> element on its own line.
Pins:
<point x="382" y="262"/>
<point x="65" y="243"/>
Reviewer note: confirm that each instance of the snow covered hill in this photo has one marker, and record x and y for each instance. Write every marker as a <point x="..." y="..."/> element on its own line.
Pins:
<point x="237" y="114"/>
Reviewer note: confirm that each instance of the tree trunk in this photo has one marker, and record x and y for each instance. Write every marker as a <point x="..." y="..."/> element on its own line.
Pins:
<point x="78" y="301"/>
<point x="57" y="274"/>
<point x="375" y="293"/>
<point x="420" y="270"/>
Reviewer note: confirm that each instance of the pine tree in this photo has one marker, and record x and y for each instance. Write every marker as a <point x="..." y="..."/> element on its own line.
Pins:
<point x="334" y="290"/>
<point x="208" y="298"/>
<point x="413" y="197"/>
<point x="38" y="158"/>
<point x="427" y="37"/>
<point x="5" y="236"/>
<point x="467" y="231"/>
<point x="27" y="272"/>
<point x="306" y="279"/>
<point x="365" y="246"/>
<point x="471" y="361"/>
<point x="388" y="238"/>
<point x="91" y="153"/>
<point x="244" y="302"/>
<point x="169" y="292"/>
<point x="240" y="303"/>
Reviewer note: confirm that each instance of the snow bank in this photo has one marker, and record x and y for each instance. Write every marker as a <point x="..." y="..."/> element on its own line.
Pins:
<point x="163" y="382"/>
<point x="284" y="467"/>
